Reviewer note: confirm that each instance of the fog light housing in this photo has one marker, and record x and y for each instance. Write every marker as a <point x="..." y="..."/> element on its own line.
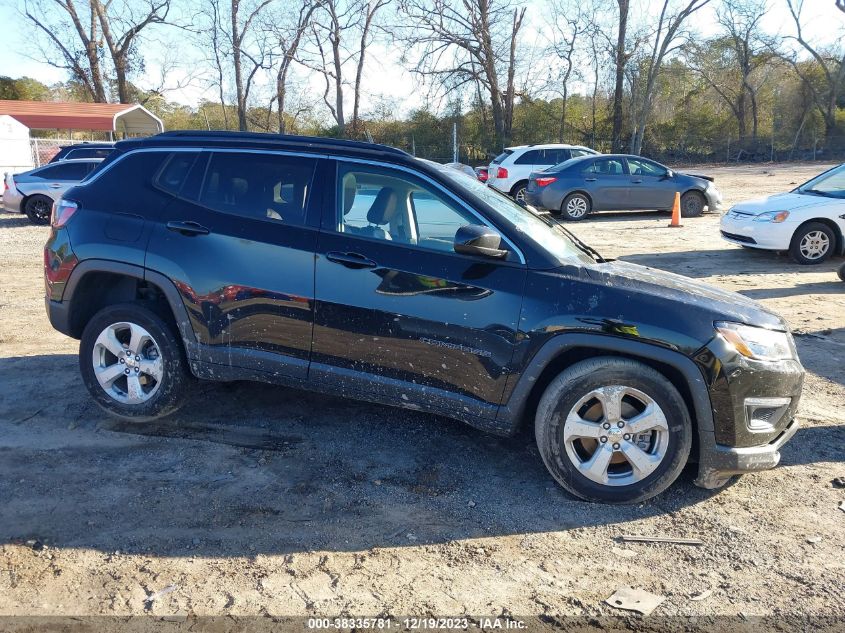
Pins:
<point x="763" y="415"/>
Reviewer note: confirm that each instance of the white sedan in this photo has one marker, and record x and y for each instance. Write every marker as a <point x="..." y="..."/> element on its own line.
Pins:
<point x="809" y="221"/>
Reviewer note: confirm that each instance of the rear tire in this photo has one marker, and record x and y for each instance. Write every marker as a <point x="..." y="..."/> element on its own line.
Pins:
<point x="38" y="209"/>
<point x="692" y="204"/>
<point x="813" y="243"/>
<point x="576" y="206"/>
<point x="518" y="193"/>
<point x="841" y="272"/>
<point x="133" y="364"/>
<point x="647" y="433"/>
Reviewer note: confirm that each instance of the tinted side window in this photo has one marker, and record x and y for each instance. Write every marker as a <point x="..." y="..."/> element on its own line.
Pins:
<point x="126" y="185"/>
<point x="531" y="157"/>
<point x="101" y="152"/>
<point x="555" y="156"/>
<point x="579" y="152"/>
<point x="606" y="167"/>
<point x="640" y="167"/>
<point x="258" y="186"/>
<point x="175" y="171"/>
<point x="65" y="171"/>
<point x="502" y="156"/>
<point x="385" y="205"/>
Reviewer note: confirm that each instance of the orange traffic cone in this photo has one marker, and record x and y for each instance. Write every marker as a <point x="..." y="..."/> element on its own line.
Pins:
<point x="676" y="212"/>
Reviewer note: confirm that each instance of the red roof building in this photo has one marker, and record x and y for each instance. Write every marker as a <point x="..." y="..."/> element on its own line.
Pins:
<point x="128" y="119"/>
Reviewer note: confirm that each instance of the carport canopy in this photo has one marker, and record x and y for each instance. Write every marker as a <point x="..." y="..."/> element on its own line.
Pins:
<point x="126" y="118"/>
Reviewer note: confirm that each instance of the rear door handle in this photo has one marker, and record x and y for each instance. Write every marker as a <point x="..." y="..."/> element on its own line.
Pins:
<point x="637" y="182"/>
<point x="54" y="185"/>
<point x="187" y="228"/>
<point x="350" y="260"/>
<point x="590" y="179"/>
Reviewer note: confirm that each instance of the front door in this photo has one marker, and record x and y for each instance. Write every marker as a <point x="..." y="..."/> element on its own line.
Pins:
<point x="236" y="241"/>
<point x="651" y="187"/>
<point x="398" y="311"/>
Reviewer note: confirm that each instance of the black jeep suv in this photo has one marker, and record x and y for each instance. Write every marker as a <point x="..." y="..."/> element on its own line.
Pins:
<point x="357" y="269"/>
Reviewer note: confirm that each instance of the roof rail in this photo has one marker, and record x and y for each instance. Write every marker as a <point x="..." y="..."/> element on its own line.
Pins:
<point x="289" y="139"/>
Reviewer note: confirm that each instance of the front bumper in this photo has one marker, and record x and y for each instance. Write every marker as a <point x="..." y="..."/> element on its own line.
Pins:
<point x="714" y="199"/>
<point x="722" y="462"/>
<point x="754" y="404"/>
<point x="743" y="230"/>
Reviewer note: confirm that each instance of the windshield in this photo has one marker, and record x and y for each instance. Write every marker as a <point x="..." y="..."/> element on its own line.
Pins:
<point x="543" y="232"/>
<point x="831" y="184"/>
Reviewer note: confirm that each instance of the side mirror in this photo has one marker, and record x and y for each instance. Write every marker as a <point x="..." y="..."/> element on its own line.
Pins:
<point x="474" y="239"/>
<point x="670" y="173"/>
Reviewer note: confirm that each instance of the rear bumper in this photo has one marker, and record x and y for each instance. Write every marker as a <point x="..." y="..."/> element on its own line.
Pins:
<point x="12" y="202"/>
<point x="59" y="315"/>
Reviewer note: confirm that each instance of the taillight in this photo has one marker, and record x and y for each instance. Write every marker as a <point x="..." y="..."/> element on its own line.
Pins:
<point x="501" y="172"/>
<point x="544" y="181"/>
<point x="62" y="212"/>
<point x="6" y="184"/>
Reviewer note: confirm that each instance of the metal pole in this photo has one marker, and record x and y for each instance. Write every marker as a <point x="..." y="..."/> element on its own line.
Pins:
<point x="454" y="142"/>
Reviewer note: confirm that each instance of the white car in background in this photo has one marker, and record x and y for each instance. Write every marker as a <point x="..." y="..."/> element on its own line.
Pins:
<point x="809" y="221"/>
<point x="509" y="171"/>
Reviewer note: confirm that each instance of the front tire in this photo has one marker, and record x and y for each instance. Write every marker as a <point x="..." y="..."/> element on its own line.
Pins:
<point x="813" y="243"/>
<point x="692" y="204"/>
<point x="38" y="209"/>
<point x="132" y="363"/>
<point x="613" y="430"/>
<point x="575" y="206"/>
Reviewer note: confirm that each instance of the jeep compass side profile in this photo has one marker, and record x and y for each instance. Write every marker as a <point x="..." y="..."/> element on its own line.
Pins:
<point x="354" y="268"/>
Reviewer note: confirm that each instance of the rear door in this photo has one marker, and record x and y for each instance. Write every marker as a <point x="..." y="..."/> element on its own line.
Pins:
<point x="398" y="311"/>
<point x="238" y="242"/>
<point x="60" y="177"/>
<point x="606" y="180"/>
<point x="651" y="188"/>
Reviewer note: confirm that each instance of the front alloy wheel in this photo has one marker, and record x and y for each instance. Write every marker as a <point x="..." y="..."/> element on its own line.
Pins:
<point x="812" y="243"/>
<point x="616" y="435"/>
<point x="613" y="430"/>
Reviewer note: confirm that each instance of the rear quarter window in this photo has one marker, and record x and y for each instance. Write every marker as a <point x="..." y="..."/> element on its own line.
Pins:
<point x="126" y="186"/>
<point x="501" y="157"/>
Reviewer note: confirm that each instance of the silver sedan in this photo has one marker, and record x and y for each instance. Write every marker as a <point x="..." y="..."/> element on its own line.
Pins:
<point x="33" y="192"/>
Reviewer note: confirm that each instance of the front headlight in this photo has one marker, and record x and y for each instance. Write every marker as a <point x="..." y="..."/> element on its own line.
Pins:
<point x="772" y="216"/>
<point x="757" y="342"/>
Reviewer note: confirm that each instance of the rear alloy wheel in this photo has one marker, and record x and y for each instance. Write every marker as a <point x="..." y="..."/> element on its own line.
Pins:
<point x="38" y="209"/>
<point x="132" y="363"/>
<point x="812" y="243"/>
<point x="692" y="204"/>
<point x="518" y="194"/>
<point x="575" y="206"/>
<point x="613" y="430"/>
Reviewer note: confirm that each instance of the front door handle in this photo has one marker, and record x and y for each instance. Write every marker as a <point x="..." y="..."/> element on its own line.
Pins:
<point x="54" y="185"/>
<point x="187" y="228"/>
<point x="590" y="179"/>
<point x="637" y="182"/>
<point x="350" y="260"/>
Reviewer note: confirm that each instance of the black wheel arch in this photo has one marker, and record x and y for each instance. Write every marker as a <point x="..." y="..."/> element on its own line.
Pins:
<point x="95" y="284"/>
<point x="517" y="185"/>
<point x="565" y="350"/>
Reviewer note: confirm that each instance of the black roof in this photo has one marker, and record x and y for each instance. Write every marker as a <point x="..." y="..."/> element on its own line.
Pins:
<point x="262" y="140"/>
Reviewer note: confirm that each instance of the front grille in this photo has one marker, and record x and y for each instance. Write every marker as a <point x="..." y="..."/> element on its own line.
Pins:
<point x="738" y="238"/>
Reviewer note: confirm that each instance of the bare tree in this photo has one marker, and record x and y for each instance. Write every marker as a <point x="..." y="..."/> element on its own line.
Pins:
<point x="122" y="25"/>
<point x="341" y="32"/>
<point x="831" y="65"/>
<point x="621" y="59"/>
<point x="668" y="38"/>
<point x="570" y="21"/>
<point x="467" y="42"/>
<point x="288" y="30"/>
<point x="70" y="33"/>
<point x="729" y="63"/>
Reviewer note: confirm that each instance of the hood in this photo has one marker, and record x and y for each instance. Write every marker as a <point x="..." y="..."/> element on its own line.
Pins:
<point x="721" y="304"/>
<point x="781" y="202"/>
<point x="699" y="176"/>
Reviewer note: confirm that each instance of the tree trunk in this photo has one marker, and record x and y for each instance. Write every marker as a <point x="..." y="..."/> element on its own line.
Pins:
<point x="237" y="61"/>
<point x="616" y="141"/>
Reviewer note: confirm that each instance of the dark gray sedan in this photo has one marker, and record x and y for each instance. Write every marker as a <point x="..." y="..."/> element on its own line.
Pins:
<point x="34" y="192"/>
<point x="612" y="182"/>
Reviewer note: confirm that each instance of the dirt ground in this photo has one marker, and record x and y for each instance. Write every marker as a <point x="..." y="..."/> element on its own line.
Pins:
<point x="267" y="501"/>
